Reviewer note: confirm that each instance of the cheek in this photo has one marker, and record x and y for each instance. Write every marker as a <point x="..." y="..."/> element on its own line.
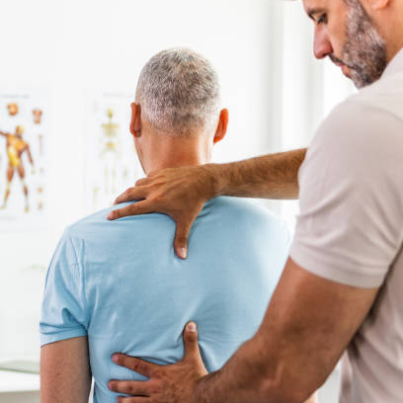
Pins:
<point x="338" y="28"/>
<point x="337" y="35"/>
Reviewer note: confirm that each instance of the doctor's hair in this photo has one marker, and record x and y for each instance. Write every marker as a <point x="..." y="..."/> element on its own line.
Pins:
<point x="179" y="92"/>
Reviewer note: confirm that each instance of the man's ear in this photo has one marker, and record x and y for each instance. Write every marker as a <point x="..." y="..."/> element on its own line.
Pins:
<point x="222" y="126"/>
<point x="135" y="122"/>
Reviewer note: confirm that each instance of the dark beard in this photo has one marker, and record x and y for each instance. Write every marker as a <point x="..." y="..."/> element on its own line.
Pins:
<point x="364" y="51"/>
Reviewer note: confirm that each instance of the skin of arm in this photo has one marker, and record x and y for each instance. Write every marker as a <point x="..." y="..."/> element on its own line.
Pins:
<point x="273" y="176"/>
<point x="182" y="192"/>
<point x="65" y="372"/>
<point x="306" y="328"/>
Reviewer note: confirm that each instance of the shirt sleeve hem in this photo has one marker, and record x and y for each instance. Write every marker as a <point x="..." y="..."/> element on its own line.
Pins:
<point x="61" y="335"/>
<point x="333" y="273"/>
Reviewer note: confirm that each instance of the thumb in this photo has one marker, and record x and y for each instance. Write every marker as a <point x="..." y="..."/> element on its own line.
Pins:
<point x="190" y="339"/>
<point x="181" y="238"/>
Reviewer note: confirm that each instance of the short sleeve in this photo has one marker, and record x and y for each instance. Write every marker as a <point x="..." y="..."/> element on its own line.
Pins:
<point x="63" y="307"/>
<point x="351" y="218"/>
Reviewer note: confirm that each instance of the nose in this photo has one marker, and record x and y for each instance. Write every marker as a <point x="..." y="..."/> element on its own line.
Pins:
<point x="321" y="44"/>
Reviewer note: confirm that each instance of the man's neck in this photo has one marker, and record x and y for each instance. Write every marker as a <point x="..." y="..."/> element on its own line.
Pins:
<point x="177" y="152"/>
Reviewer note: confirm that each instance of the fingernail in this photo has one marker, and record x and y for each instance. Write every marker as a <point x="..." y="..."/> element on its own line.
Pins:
<point x="183" y="253"/>
<point x="115" y="358"/>
<point x="191" y="327"/>
<point x="109" y="216"/>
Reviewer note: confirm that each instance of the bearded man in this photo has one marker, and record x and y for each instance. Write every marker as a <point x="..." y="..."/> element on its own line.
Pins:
<point x="341" y="286"/>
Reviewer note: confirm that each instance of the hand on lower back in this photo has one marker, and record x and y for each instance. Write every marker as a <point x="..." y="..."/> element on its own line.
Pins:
<point x="177" y="192"/>
<point x="167" y="383"/>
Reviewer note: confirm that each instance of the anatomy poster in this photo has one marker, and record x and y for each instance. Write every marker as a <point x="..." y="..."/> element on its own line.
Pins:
<point x="23" y="167"/>
<point x="111" y="164"/>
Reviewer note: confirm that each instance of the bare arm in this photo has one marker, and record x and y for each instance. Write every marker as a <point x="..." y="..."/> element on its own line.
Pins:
<point x="65" y="372"/>
<point x="182" y="192"/>
<point x="307" y="326"/>
<point x="273" y="176"/>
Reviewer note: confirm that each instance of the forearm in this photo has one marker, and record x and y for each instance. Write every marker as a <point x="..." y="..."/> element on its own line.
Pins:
<point x="272" y="176"/>
<point x="255" y="377"/>
<point x="244" y="378"/>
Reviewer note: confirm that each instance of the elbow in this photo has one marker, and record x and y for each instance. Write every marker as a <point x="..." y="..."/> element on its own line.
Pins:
<point x="276" y="379"/>
<point x="285" y="396"/>
<point x="284" y="391"/>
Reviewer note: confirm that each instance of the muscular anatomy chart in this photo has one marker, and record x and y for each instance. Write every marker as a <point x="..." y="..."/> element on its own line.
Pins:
<point x="16" y="146"/>
<point x="23" y="168"/>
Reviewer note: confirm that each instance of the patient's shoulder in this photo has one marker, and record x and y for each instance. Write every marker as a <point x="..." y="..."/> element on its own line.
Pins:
<point x="251" y="211"/>
<point x="97" y="223"/>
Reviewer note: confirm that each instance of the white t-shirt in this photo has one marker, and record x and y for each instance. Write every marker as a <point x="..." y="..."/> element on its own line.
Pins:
<point x="350" y="228"/>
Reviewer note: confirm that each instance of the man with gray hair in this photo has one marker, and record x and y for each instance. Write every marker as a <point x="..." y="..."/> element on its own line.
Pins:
<point x="120" y="287"/>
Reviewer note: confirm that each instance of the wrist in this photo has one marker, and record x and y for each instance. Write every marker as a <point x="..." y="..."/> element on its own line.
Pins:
<point x="203" y="388"/>
<point x="216" y="179"/>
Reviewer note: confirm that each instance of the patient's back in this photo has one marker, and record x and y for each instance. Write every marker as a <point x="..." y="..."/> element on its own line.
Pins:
<point x="139" y="295"/>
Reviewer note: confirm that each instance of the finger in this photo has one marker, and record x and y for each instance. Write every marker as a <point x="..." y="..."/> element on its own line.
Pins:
<point x="153" y="173"/>
<point x="135" y="364"/>
<point x="136" y="399"/>
<point x="181" y="238"/>
<point x="136" y="388"/>
<point x="142" y="182"/>
<point x="142" y="207"/>
<point x="130" y="194"/>
<point x="190" y="339"/>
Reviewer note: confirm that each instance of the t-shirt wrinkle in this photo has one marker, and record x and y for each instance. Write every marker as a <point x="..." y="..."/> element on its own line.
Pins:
<point x="81" y="272"/>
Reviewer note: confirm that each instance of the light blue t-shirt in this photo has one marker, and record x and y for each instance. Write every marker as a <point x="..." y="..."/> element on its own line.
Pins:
<point x="120" y="284"/>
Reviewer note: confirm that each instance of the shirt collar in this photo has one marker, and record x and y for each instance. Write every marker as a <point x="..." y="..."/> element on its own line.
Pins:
<point x="395" y="65"/>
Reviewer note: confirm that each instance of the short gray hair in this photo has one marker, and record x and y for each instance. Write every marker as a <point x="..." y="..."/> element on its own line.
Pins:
<point x="179" y="91"/>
